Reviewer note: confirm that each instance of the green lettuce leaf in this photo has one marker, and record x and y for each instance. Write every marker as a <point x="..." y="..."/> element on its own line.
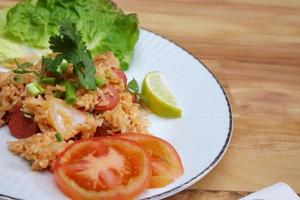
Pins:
<point x="103" y="26"/>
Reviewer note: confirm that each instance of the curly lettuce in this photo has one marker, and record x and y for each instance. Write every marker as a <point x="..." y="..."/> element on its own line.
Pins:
<point x="103" y="26"/>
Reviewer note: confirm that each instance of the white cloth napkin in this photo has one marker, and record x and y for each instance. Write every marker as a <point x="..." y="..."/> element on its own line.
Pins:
<point x="279" y="191"/>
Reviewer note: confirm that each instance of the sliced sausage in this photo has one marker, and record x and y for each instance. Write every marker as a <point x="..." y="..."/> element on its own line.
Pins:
<point x="109" y="99"/>
<point x="105" y="130"/>
<point x="120" y="73"/>
<point x="20" y="126"/>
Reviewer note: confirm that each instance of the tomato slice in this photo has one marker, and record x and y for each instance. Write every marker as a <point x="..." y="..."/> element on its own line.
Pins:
<point x="165" y="161"/>
<point x="109" y="99"/>
<point x="103" y="168"/>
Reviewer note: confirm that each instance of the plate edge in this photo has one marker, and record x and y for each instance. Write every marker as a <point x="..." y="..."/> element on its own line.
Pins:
<point x="225" y="146"/>
<point x="227" y="141"/>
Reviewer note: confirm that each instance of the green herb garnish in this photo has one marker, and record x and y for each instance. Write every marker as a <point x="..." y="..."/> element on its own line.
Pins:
<point x="133" y="86"/>
<point x="21" y="68"/>
<point x="22" y="71"/>
<point x="59" y="137"/>
<point x="70" y="92"/>
<point x="35" y="89"/>
<point x="71" y="47"/>
<point x="27" y="114"/>
<point x="23" y="65"/>
<point x="100" y="82"/>
<point x="58" y="94"/>
<point x="17" y="79"/>
<point x="48" y="80"/>
<point x="45" y="63"/>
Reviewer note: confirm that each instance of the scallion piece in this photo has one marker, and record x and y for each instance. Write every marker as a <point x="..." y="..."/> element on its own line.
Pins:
<point x="41" y="89"/>
<point x="35" y="89"/>
<point x="27" y="114"/>
<point x="62" y="83"/>
<point x="25" y="65"/>
<point x="59" y="137"/>
<point x="48" y="80"/>
<point x="17" y="79"/>
<point x="99" y="82"/>
<point x="70" y="93"/>
<point x="59" y="94"/>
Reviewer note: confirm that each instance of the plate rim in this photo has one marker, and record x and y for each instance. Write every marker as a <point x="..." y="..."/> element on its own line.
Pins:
<point x="220" y="155"/>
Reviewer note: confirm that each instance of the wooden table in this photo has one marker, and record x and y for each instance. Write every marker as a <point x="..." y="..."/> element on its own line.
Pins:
<point x="253" y="47"/>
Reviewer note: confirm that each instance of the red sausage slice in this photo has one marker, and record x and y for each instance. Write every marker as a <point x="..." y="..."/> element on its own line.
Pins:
<point x="8" y="113"/>
<point x="102" y="130"/>
<point x="120" y="74"/>
<point x="110" y="97"/>
<point x="14" y="109"/>
<point x="105" y="130"/>
<point x="20" y="126"/>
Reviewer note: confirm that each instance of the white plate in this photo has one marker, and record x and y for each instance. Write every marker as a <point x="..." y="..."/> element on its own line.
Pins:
<point x="201" y="136"/>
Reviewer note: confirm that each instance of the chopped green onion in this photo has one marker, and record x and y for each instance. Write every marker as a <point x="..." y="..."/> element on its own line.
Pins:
<point x="99" y="82"/>
<point x="45" y="63"/>
<point x="17" y="79"/>
<point x="59" y="137"/>
<point x="21" y="71"/>
<point x="62" y="83"/>
<point x="70" y="93"/>
<point x="48" y="80"/>
<point x="24" y="71"/>
<point x="25" y="65"/>
<point x="59" y="94"/>
<point x="27" y="114"/>
<point x="35" y="89"/>
<point x="40" y="88"/>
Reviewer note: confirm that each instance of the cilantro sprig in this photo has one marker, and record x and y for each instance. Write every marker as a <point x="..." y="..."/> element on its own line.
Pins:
<point x="21" y="68"/>
<point x="133" y="87"/>
<point x="71" y="47"/>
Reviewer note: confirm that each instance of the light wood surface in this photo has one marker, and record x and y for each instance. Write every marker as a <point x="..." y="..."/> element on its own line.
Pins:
<point x="253" y="47"/>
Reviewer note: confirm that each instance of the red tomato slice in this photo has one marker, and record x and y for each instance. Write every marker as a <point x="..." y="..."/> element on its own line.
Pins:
<point x="103" y="168"/>
<point x="120" y="73"/>
<point x="165" y="161"/>
<point x="110" y="98"/>
<point x="20" y="126"/>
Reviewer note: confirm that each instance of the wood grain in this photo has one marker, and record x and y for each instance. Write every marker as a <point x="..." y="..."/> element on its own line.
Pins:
<point x="253" y="47"/>
<point x="207" y="195"/>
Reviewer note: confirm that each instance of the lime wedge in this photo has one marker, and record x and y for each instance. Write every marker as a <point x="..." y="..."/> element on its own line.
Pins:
<point x="158" y="97"/>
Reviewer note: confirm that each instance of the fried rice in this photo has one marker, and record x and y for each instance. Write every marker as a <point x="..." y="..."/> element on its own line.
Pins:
<point x="78" y="121"/>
